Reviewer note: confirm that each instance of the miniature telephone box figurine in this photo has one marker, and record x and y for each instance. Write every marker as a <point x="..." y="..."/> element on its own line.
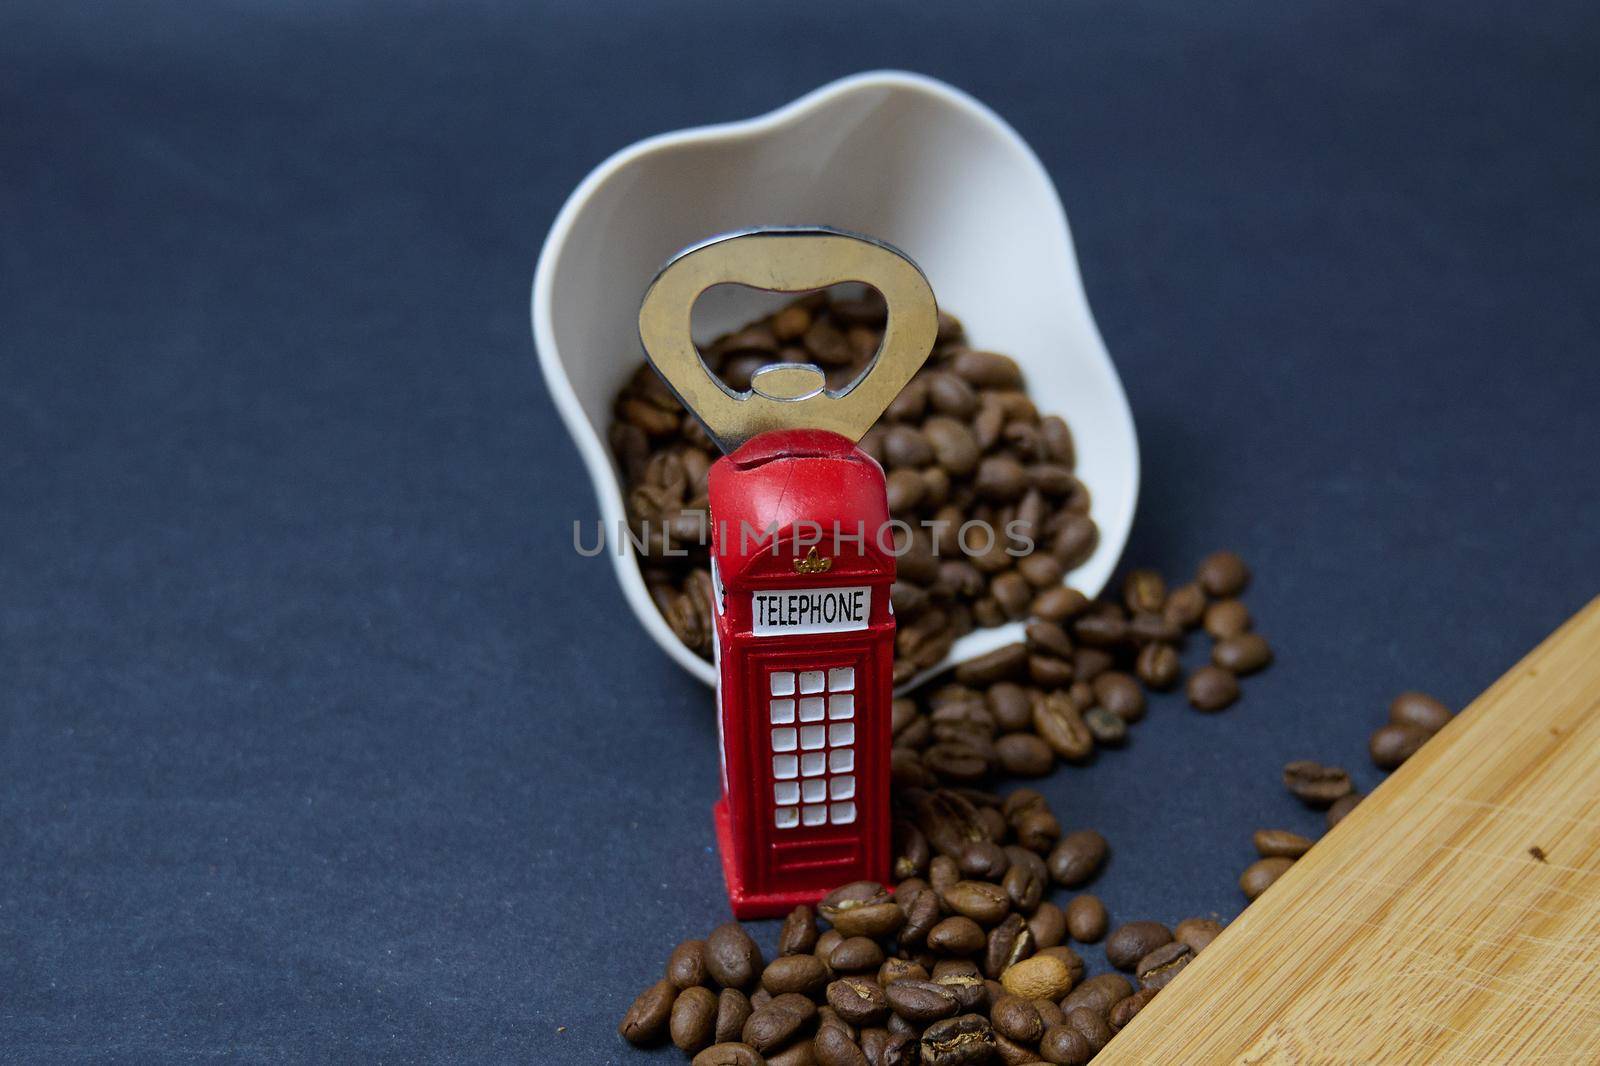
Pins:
<point x="802" y="561"/>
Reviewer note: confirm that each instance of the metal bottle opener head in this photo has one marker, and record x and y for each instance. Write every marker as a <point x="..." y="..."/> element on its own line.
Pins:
<point x="787" y="395"/>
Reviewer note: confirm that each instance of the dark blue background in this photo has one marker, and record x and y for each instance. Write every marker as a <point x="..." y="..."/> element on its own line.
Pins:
<point x="320" y="744"/>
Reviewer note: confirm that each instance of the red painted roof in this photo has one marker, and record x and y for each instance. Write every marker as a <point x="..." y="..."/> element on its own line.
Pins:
<point x="787" y="476"/>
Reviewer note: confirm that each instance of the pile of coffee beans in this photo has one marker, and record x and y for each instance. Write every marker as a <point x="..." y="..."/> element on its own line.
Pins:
<point x="1079" y="680"/>
<point x="966" y="962"/>
<point x="961" y="443"/>
<point x="1414" y="717"/>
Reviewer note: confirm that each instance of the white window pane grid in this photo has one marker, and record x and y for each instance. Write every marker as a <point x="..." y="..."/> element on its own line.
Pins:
<point x="825" y="791"/>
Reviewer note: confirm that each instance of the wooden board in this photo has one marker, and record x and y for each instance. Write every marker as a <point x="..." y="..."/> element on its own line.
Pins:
<point x="1422" y="929"/>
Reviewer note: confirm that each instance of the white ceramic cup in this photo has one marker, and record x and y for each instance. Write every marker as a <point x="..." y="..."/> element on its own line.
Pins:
<point x="897" y="156"/>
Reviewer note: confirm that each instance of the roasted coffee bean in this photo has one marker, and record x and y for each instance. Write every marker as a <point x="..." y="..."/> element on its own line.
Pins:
<point x="1157" y="969"/>
<point x="774" y="1025"/>
<point x="1185" y="606"/>
<point x="943" y="872"/>
<point x="729" y="1053"/>
<point x="1087" y="919"/>
<point x="733" y="1010"/>
<point x="1223" y="574"/>
<point x="1046" y="671"/>
<point x="732" y="958"/>
<point x="1013" y="593"/>
<point x="1048" y="925"/>
<point x="1107" y="728"/>
<point x="646" y="1021"/>
<point x="1016" y="1019"/>
<point x="911" y="852"/>
<point x="861" y="908"/>
<point x="903" y="490"/>
<point x="1041" y="570"/>
<point x="1048" y="637"/>
<point x="1148" y="628"/>
<point x="1197" y="932"/>
<point x="905" y="446"/>
<point x="1315" y="784"/>
<point x="1024" y="755"/>
<point x="799" y="933"/>
<point x="987" y="370"/>
<point x="998" y="665"/>
<point x="1271" y="843"/>
<point x="1025" y="884"/>
<point x="983" y="860"/>
<point x="1393" y="744"/>
<point x="1060" y="724"/>
<point x="694" y="1019"/>
<point x="1000" y="479"/>
<point x="1132" y="941"/>
<point x="1010" y="707"/>
<point x="834" y="1047"/>
<point x="1060" y="604"/>
<point x="956" y="935"/>
<point x="1419" y="709"/>
<point x="687" y="965"/>
<point x="759" y="998"/>
<point x="994" y="822"/>
<point x="806" y="974"/>
<point x="1158" y="666"/>
<point x="858" y="1000"/>
<point x="1038" y="831"/>
<point x="1099" y="993"/>
<point x="1120" y="694"/>
<point x="894" y="970"/>
<point x="965" y="982"/>
<point x="921" y="1001"/>
<point x="1227" y="618"/>
<point x="1043" y="976"/>
<point x="1100" y="630"/>
<point x="1050" y="1012"/>
<point x="984" y="903"/>
<point x="1212" y="688"/>
<point x="957" y="762"/>
<point x="1243" y="654"/>
<point x="1261" y="874"/>
<point x="1123" y="1010"/>
<point x="1341" y="807"/>
<point x="1078" y="857"/>
<point x="1063" y="1044"/>
<point x="1092" y="1025"/>
<point x="922" y="915"/>
<point x="1144" y="590"/>
<point x="964" y="1041"/>
<point x="954" y="447"/>
<point x="1009" y="943"/>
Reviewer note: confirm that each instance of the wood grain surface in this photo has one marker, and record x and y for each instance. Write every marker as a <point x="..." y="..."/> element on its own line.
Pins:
<point x="1453" y="917"/>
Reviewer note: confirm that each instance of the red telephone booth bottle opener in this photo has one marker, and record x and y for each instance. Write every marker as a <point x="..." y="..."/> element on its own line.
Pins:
<point x="802" y="560"/>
